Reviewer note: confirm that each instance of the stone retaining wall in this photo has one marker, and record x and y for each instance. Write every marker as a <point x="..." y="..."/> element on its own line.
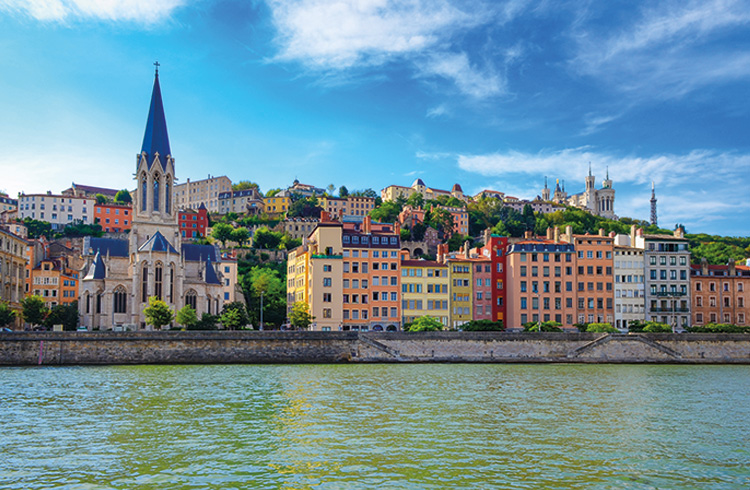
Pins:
<point x="76" y="348"/>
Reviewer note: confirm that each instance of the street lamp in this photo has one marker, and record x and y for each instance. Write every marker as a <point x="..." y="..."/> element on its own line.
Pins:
<point x="261" y="310"/>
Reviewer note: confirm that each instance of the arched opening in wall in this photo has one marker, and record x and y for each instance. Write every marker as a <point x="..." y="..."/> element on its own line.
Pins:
<point x="171" y="283"/>
<point x="99" y="302"/>
<point x="144" y="192"/>
<point x="377" y="328"/>
<point x="391" y="328"/>
<point x="418" y="252"/>
<point x="208" y="304"/>
<point x="157" y="177"/>
<point x="191" y="298"/>
<point x="120" y="300"/>
<point x="87" y="300"/>
<point x="158" y="279"/>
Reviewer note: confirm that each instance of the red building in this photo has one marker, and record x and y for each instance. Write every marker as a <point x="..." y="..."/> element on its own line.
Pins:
<point x="115" y="218"/>
<point x="193" y="224"/>
<point x="495" y="248"/>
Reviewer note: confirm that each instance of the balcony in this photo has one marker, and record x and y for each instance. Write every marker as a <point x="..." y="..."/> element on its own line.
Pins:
<point x="669" y="293"/>
<point x="669" y="310"/>
<point x="321" y="256"/>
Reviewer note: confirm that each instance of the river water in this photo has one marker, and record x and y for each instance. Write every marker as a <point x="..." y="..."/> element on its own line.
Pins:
<point x="375" y="426"/>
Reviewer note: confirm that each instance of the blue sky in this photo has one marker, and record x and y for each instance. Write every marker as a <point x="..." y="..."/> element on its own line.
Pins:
<point x="370" y="93"/>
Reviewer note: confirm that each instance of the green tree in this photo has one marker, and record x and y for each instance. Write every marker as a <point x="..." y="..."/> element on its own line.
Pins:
<point x="550" y="326"/>
<point x="207" y="322"/>
<point x="265" y="281"/>
<point x="234" y="315"/>
<point x="304" y="207"/>
<point x="657" y="327"/>
<point x="343" y="191"/>
<point x="33" y="310"/>
<point x="101" y="199"/>
<point x="123" y="196"/>
<point x="222" y="232"/>
<point x="37" y="228"/>
<point x="158" y="313"/>
<point x="300" y="317"/>
<point x="441" y="220"/>
<point x="425" y="324"/>
<point x="416" y="200"/>
<point x="387" y="212"/>
<point x="331" y="188"/>
<point x="272" y="192"/>
<point x="244" y="185"/>
<point x="6" y="314"/>
<point x="266" y="239"/>
<point x="65" y="315"/>
<point x="240" y="235"/>
<point x="417" y="231"/>
<point x="187" y="317"/>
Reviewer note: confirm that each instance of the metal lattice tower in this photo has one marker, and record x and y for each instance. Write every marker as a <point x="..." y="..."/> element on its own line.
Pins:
<point x="653" y="205"/>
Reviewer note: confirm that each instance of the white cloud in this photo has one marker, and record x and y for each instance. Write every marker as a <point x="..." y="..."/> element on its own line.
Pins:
<point x="668" y="52"/>
<point x="437" y="111"/>
<point x="693" y="167"/>
<point x="337" y="36"/>
<point x="141" y="11"/>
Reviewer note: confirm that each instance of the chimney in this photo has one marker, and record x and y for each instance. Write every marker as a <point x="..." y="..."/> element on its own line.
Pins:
<point x="440" y="257"/>
<point x="487" y="237"/>
<point x="549" y="233"/>
<point x="679" y="232"/>
<point x="612" y="234"/>
<point x="639" y="232"/>
<point x="601" y="231"/>
<point x="527" y="235"/>
<point x="732" y="267"/>
<point x="569" y="234"/>
<point x="324" y="217"/>
<point x="396" y="227"/>
<point x="466" y="249"/>
<point x="367" y="225"/>
<point x="632" y="235"/>
<point x="704" y="267"/>
<point x="557" y="234"/>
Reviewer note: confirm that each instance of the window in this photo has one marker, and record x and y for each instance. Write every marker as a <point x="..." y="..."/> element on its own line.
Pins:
<point x="327" y="282"/>
<point x="191" y="299"/>
<point x="120" y="299"/>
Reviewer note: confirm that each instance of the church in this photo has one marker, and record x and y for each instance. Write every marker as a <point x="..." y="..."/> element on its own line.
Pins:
<point x="120" y="275"/>
<point x="600" y="202"/>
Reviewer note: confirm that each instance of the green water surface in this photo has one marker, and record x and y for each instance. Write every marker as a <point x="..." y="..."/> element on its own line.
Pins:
<point x="375" y="426"/>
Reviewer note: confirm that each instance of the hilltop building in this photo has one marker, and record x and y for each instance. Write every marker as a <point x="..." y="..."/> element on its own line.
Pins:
<point x="393" y="192"/>
<point x="600" y="202"/>
<point x="191" y="194"/>
<point x="120" y="276"/>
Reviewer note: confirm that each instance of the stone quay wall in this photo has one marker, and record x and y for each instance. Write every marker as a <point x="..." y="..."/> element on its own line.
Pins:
<point x="194" y="347"/>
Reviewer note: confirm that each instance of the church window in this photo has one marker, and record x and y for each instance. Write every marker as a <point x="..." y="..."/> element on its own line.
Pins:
<point x="88" y="304"/>
<point x="171" y="283"/>
<point x="167" y="197"/>
<point x="120" y="298"/>
<point x="158" y="281"/>
<point x="144" y="284"/>
<point x="98" y="303"/>
<point x="156" y="192"/>
<point x="144" y="188"/>
<point x="191" y="299"/>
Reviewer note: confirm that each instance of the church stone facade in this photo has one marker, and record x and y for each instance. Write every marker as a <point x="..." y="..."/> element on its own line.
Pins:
<point x="120" y="275"/>
<point x="600" y="202"/>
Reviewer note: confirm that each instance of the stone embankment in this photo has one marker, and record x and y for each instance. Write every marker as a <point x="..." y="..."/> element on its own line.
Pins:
<point x="173" y="347"/>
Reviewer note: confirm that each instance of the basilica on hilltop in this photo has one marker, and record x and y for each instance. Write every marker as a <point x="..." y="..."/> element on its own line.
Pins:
<point x="120" y="275"/>
<point x="600" y="202"/>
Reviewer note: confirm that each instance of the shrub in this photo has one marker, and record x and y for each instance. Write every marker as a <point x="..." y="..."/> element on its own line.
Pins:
<point x="601" y="328"/>
<point x="719" y="328"/>
<point x="656" y="327"/>
<point x="483" y="326"/>
<point x="545" y="327"/>
<point x="581" y="326"/>
<point x="425" y="324"/>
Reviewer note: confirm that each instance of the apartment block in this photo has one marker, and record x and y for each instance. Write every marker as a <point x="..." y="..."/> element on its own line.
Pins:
<point x="57" y="210"/>
<point x="12" y="270"/>
<point x="277" y="206"/>
<point x="192" y="194"/>
<point x="89" y="191"/>
<point x="247" y="201"/>
<point x="424" y="290"/>
<point x="667" y="277"/>
<point x="595" y="295"/>
<point x="348" y="207"/>
<point x="115" y="218"/>
<point x="349" y="275"/>
<point x="533" y="296"/>
<point x="719" y="294"/>
<point x="7" y="203"/>
<point x="193" y="224"/>
<point x="55" y="281"/>
<point x="630" y="283"/>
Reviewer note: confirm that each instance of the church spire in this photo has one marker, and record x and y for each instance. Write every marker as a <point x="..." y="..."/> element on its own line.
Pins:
<point x="156" y="138"/>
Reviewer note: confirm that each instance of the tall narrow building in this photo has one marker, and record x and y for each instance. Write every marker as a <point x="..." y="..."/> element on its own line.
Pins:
<point x="120" y="276"/>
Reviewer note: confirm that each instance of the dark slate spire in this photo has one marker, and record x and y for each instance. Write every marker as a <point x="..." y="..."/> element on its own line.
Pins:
<point x="156" y="138"/>
<point x="211" y="277"/>
<point x="97" y="269"/>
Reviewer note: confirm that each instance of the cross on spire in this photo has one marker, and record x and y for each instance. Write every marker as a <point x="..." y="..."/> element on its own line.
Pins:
<point x="157" y="65"/>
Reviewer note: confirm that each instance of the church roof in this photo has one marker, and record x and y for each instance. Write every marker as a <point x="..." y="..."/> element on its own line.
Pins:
<point x="418" y="182"/>
<point x="198" y="253"/>
<point x="97" y="269"/>
<point x="457" y="188"/>
<point x="211" y="277"/>
<point x="156" y="138"/>
<point x="157" y="243"/>
<point x="107" y="246"/>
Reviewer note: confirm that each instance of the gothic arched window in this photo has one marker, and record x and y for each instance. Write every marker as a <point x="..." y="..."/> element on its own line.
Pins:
<point x="158" y="279"/>
<point x="144" y="193"/>
<point x="191" y="298"/>
<point x="167" y="196"/>
<point x="121" y="300"/>
<point x="144" y="283"/>
<point x="156" y="192"/>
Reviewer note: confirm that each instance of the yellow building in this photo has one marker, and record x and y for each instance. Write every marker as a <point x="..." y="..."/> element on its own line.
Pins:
<point x="424" y="290"/>
<point x="460" y="274"/>
<point x="276" y="206"/>
<point x="12" y="270"/>
<point x="350" y="206"/>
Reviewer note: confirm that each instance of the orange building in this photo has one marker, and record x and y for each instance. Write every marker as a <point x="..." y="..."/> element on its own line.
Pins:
<point x="540" y="277"/>
<point x="193" y="224"/>
<point x="719" y="293"/>
<point x="595" y="280"/>
<point x="55" y="282"/>
<point x="115" y="218"/>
